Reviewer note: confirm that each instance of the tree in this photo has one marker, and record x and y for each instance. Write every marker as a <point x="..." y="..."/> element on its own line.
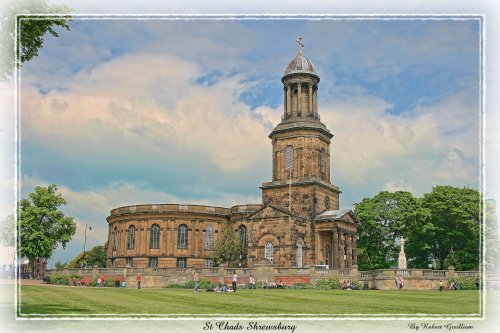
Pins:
<point x="95" y="257"/>
<point x="456" y="217"/>
<point x="41" y="225"/>
<point x="383" y="220"/>
<point x="32" y="30"/>
<point x="60" y="265"/>
<point x="226" y="248"/>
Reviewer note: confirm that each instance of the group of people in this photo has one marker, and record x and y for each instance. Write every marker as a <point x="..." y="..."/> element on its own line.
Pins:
<point x="348" y="285"/>
<point x="272" y="285"/>
<point x="234" y="284"/>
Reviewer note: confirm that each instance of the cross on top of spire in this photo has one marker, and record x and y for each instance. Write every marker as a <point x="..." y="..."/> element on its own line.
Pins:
<point x="301" y="45"/>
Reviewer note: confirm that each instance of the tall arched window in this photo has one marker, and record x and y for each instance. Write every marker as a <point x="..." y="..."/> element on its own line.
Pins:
<point x="154" y="237"/>
<point x="327" y="255"/>
<point x="299" y="254"/>
<point x="115" y="239"/>
<point x="131" y="237"/>
<point x="209" y="238"/>
<point x="182" y="237"/>
<point x="269" y="251"/>
<point x="322" y="164"/>
<point x="243" y="241"/>
<point x="289" y="158"/>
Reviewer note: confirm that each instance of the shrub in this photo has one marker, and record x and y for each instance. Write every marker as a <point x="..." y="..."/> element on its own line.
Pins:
<point x="59" y="279"/>
<point x="302" y="285"/>
<point x="465" y="282"/>
<point x="328" y="284"/>
<point x="109" y="282"/>
<point x="177" y="286"/>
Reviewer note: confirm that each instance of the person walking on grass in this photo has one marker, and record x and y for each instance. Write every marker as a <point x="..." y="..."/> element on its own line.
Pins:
<point x="235" y="280"/>
<point x="440" y="285"/>
<point x="195" y="279"/>
<point x="139" y="279"/>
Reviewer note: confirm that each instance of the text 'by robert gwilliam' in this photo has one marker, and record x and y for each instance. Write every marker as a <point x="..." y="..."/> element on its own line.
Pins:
<point x="251" y="326"/>
<point x="437" y="327"/>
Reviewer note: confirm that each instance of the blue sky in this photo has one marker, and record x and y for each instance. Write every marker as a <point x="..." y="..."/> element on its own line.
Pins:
<point x="126" y="111"/>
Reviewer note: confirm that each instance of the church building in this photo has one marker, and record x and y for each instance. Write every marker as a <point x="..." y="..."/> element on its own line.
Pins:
<point x="298" y="223"/>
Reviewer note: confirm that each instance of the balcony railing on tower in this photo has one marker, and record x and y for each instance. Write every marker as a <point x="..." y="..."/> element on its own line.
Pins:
<point x="303" y="115"/>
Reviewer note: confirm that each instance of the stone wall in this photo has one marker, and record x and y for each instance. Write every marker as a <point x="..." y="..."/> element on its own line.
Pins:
<point x="414" y="279"/>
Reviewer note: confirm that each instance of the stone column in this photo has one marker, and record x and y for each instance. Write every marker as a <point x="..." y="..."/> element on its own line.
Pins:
<point x="335" y="248"/>
<point x="200" y="236"/>
<point x="310" y="99"/>
<point x="171" y="237"/>
<point x="342" y="250"/>
<point x="299" y="95"/>
<point x="163" y="244"/>
<point x="190" y="241"/>
<point x="349" y="251"/>
<point x="316" y="100"/>
<point x="284" y="100"/>
<point x="354" y="250"/>
<point x="288" y="87"/>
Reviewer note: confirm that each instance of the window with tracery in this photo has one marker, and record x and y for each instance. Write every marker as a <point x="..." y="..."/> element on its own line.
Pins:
<point x="154" y="239"/>
<point x="182" y="237"/>
<point x="131" y="237"/>
<point x="269" y="251"/>
<point x="299" y="254"/>
<point x="209" y="238"/>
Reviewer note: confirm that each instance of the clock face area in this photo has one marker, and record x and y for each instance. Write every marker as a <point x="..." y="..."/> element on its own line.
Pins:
<point x="327" y="202"/>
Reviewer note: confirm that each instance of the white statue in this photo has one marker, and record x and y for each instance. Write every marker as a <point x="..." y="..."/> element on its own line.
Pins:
<point x="402" y="256"/>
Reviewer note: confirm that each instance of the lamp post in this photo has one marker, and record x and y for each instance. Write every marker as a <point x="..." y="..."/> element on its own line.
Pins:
<point x="85" y="244"/>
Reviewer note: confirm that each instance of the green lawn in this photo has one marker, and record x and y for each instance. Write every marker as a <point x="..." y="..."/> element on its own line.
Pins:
<point x="65" y="301"/>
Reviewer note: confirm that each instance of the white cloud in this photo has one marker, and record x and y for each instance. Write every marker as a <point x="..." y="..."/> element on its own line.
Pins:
<point x="433" y="145"/>
<point x="152" y="107"/>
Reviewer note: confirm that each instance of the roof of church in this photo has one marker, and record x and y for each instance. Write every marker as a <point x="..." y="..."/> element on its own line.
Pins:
<point x="300" y="64"/>
<point x="335" y="214"/>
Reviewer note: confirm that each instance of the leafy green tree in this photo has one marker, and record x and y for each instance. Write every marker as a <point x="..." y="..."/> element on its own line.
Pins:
<point x="227" y="248"/>
<point x="41" y="225"/>
<point x="456" y="216"/>
<point x="95" y="257"/>
<point x="32" y="30"/>
<point x="60" y="265"/>
<point x="383" y="220"/>
<point x="7" y="228"/>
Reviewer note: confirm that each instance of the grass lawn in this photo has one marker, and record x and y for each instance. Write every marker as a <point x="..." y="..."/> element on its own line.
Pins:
<point x="66" y="301"/>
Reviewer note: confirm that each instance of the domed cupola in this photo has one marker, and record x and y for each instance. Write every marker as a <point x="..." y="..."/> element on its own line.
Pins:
<point x="300" y="65"/>
<point x="300" y="85"/>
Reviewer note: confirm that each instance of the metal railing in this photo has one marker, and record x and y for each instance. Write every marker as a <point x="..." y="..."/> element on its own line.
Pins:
<point x="302" y="114"/>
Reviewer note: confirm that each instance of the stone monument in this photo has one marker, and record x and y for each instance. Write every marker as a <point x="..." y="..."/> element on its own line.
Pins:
<point x="402" y="255"/>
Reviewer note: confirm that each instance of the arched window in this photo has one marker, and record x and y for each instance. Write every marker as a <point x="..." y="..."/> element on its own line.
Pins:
<point x="322" y="164"/>
<point x="115" y="239"/>
<point x="131" y="237"/>
<point x="154" y="237"/>
<point x="299" y="254"/>
<point x="269" y="251"/>
<point x="289" y="158"/>
<point x="182" y="237"/>
<point x="327" y="255"/>
<point x="243" y="241"/>
<point x="209" y="238"/>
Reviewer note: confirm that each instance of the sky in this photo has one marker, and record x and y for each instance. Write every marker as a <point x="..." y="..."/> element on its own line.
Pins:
<point x="132" y="110"/>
